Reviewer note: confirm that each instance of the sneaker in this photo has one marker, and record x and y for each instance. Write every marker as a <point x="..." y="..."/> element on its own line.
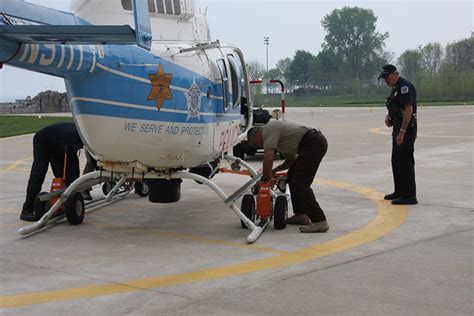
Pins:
<point x="29" y="216"/>
<point x="392" y="196"/>
<point x="319" y="227"/>
<point x="86" y="195"/>
<point x="298" y="219"/>
<point x="405" y="201"/>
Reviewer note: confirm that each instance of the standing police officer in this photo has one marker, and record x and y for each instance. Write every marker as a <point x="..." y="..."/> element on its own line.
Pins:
<point x="401" y="106"/>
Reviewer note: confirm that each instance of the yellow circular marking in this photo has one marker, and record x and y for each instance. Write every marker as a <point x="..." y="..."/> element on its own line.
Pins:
<point x="17" y="224"/>
<point x="14" y="166"/>
<point x="379" y="131"/>
<point x="20" y="170"/>
<point x="388" y="218"/>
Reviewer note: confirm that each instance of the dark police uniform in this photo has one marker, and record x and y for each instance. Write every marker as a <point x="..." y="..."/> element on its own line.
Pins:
<point x="403" y="161"/>
<point x="49" y="146"/>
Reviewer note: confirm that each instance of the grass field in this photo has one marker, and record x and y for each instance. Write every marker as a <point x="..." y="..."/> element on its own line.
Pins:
<point x="11" y="125"/>
<point x="19" y="125"/>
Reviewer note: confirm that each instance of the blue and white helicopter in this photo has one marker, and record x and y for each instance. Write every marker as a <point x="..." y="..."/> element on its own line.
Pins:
<point x="159" y="103"/>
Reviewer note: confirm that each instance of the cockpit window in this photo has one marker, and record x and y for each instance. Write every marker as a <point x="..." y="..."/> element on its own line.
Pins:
<point x="236" y="76"/>
<point x="171" y="7"/>
<point x="225" y="84"/>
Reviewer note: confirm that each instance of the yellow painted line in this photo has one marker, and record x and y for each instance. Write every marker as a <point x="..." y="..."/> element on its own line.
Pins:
<point x="3" y="211"/>
<point x="17" y="224"/>
<point x="388" y="219"/>
<point x="379" y="131"/>
<point x="183" y="236"/>
<point x="15" y="164"/>
<point x="16" y="170"/>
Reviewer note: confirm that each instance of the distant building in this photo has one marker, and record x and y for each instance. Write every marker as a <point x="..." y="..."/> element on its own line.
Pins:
<point x="45" y="102"/>
<point x="24" y="102"/>
<point x="51" y="101"/>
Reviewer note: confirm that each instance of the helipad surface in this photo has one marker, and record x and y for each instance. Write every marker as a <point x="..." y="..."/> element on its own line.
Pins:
<point x="191" y="258"/>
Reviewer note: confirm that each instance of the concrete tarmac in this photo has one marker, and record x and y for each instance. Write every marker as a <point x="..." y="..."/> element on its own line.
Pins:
<point x="191" y="257"/>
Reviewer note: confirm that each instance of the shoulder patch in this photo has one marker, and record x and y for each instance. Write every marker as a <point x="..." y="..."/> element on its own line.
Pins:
<point x="404" y="90"/>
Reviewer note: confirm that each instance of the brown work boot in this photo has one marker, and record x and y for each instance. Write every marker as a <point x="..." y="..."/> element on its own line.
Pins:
<point x="298" y="219"/>
<point x="319" y="227"/>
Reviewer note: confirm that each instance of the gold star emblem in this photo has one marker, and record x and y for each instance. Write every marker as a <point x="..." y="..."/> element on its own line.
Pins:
<point x="160" y="87"/>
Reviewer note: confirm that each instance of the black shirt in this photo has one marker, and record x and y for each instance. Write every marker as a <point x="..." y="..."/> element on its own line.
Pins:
<point x="58" y="137"/>
<point x="403" y="93"/>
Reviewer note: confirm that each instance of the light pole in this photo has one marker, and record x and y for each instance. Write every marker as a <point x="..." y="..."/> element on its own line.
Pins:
<point x="266" y="42"/>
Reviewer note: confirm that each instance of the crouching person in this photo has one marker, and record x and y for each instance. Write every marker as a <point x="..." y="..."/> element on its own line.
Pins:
<point x="303" y="149"/>
<point x="49" y="147"/>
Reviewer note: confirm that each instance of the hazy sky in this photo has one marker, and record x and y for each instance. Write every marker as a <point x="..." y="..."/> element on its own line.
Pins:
<point x="291" y="25"/>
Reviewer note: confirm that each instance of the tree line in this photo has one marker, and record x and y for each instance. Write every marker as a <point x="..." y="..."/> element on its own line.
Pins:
<point x="353" y="53"/>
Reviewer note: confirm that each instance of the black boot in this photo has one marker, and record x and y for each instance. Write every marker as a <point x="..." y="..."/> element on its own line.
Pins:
<point x="392" y="196"/>
<point x="28" y="215"/>
<point x="405" y="201"/>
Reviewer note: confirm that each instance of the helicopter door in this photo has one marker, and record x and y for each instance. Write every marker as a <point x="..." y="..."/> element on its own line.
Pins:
<point x="236" y="80"/>
<point x="226" y="85"/>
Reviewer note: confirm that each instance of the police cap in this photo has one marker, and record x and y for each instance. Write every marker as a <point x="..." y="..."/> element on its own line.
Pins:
<point x="387" y="70"/>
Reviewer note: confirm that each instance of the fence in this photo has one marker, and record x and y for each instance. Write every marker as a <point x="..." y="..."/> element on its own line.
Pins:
<point x="454" y="88"/>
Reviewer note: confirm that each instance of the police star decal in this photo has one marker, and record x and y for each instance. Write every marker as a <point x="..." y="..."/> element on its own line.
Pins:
<point x="160" y="87"/>
<point x="193" y="98"/>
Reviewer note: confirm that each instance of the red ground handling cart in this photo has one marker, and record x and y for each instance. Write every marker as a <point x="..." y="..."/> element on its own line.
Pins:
<point x="56" y="204"/>
<point x="266" y="202"/>
<point x="73" y="207"/>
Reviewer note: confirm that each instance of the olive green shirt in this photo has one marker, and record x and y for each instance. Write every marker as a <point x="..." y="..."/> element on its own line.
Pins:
<point x="284" y="137"/>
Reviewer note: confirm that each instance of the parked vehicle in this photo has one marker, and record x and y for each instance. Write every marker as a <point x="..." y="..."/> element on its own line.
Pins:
<point x="261" y="117"/>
